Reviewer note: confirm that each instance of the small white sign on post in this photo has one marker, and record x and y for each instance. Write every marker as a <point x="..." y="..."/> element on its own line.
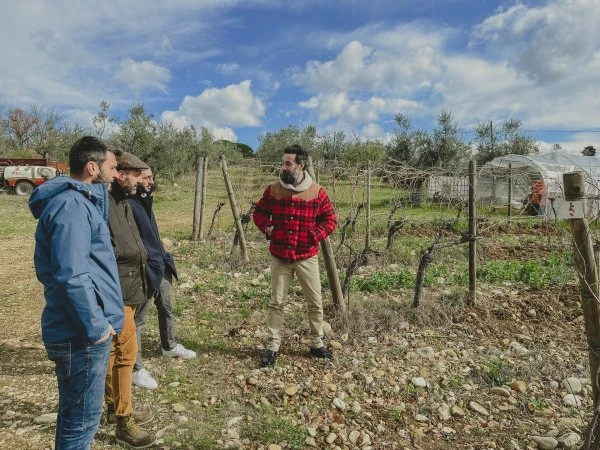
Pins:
<point x="571" y="210"/>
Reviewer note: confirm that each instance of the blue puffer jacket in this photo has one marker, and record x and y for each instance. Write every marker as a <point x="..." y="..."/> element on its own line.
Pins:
<point x="75" y="262"/>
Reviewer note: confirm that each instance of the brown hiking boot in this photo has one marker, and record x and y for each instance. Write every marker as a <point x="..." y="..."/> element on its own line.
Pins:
<point x="130" y="434"/>
<point x="141" y="417"/>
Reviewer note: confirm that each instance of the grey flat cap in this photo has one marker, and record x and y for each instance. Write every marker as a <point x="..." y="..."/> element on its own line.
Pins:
<point x="130" y="161"/>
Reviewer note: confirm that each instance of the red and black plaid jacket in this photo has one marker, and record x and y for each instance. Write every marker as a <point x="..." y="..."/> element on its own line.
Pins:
<point x="300" y="219"/>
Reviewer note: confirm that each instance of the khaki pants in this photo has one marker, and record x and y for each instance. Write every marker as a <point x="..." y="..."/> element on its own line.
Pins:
<point x="117" y="389"/>
<point x="307" y="272"/>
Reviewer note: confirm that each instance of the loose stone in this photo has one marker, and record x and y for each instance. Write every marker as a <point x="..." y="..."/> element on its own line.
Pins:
<point x="569" y="440"/>
<point x="500" y="391"/>
<point x="478" y="408"/>
<point x="572" y="385"/>
<point x="291" y="390"/>
<point x="519" y="386"/>
<point x="572" y="400"/>
<point x="330" y="439"/>
<point x="338" y="403"/>
<point x="545" y="442"/>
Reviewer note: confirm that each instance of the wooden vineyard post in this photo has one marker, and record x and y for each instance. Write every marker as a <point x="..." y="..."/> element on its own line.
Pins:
<point x="199" y="199"/>
<point x="329" y="258"/>
<point x="509" y="191"/>
<point x="203" y="198"/>
<point x="234" y="210"/>
<point x="368" y="208"/>
<point x="585" y="263"/>
<point x="472" y="236"/>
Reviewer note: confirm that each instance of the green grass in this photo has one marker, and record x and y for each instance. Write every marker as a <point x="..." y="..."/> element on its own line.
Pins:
<point x="16" y="217"/>
<point x="540" y="404"/>
<point x="183" y="303"/>
<point x="498" y="372"/>
<point x="554" y="270"/>
<point x="453" y="381"/>
<point x="268" y="428"/>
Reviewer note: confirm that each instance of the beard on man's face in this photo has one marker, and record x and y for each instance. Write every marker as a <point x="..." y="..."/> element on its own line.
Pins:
<point x="128" y="187"/>
<point x="132" y="189"/>
<point x="102" y="177"/>
<point x="287" y="177"/>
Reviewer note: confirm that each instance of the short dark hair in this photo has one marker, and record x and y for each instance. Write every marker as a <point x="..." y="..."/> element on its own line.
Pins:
<point x="300" y="152"/>
<point x="86" y="149"/>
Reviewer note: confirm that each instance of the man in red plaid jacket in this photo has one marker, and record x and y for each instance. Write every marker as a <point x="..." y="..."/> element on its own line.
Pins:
<point x="295" y="214"/>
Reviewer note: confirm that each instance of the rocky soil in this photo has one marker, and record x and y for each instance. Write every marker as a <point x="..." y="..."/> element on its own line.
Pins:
<point x="509" y="373"/>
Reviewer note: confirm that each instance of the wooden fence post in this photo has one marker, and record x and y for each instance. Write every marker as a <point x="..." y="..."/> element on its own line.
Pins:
<point x="509" y="191"/>
<point x="199" y="194"/>
<point x="368" y="208"/>
<point x="472" y="235"/>
<point x="585" y="264"/>
<point x="203" y="197"/>
<point x="234" y="210"/>
<point x="330" y="265"/>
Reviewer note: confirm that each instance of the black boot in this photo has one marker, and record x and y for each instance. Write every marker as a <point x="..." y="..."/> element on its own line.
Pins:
<point x="320" y="352"/>
<point x="268" y="358"/>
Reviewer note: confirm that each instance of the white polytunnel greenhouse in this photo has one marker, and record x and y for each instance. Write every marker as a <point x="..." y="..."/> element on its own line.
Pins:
<point x="537" y="182"/>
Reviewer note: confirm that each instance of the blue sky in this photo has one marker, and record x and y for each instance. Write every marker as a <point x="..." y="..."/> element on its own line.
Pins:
<point x="245" y="67"/>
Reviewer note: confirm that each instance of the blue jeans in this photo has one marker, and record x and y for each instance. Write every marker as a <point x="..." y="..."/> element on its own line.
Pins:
<point x="163" y="299"/>
<point x="80" y="371"/>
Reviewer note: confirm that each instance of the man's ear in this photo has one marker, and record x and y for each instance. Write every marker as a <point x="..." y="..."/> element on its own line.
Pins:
<point x="92" y="168"/>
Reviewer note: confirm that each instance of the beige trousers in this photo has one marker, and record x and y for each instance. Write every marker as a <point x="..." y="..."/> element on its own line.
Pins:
<point x="282" y="273"/>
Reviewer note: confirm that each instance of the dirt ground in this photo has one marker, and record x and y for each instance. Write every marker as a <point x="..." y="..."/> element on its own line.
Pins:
<point x="548" y="322"/>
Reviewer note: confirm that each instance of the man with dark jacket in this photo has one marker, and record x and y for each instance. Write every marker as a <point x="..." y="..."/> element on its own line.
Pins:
<point x="160" y="271"/>
<point x="131" y="260"/>
<point x="75" y="262"/>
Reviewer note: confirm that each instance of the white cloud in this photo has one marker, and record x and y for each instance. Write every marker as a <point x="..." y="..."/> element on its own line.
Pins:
<point x="574" y="144"/>
<point x="338" y="106"/>
<point x="365" y="83"/>
<point x="416" y="70"/>
<point x="220" y="109"/>
<point x="85" y="119"/>
<point x="375" y="131"/>
<point x="224" y="133"/>
<point x="478" y="90"/>
<point x="57" y="58"/>
<point x="228" y="69"/>
<point x="358" y="67"/>
<point x="547" y="42"/>
<point x="144" y="74"/>
<point x="182" y="122"/>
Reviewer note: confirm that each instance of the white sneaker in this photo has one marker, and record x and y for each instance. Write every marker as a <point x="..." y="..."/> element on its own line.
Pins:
<point x="143" y="379"/>
<point x="179" y="351"/>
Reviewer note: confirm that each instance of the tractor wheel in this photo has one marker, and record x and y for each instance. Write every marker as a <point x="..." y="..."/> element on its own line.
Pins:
<point x="23" y="188"/>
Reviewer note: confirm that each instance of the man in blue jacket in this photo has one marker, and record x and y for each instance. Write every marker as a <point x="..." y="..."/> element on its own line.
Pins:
<point x="160" y="271"/>
<point x="75" y="262"/>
